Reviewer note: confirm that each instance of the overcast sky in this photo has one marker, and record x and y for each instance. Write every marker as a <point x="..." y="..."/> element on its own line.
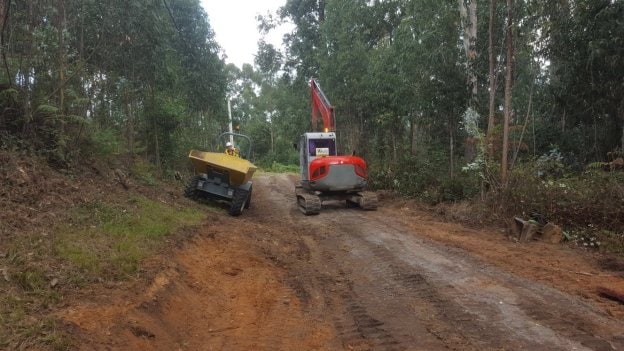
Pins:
<point x="235" y="26"/>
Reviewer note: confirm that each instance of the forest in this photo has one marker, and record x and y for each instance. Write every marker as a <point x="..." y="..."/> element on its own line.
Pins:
<point x="515" y="106"/>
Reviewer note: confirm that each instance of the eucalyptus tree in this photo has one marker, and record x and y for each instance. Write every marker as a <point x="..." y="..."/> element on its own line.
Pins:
<point x="509" y="62"/>
<point x="468" y="17"/>
<point x="305" y="40"/>
<point x="149" y="70"/>
<point x="344" y="68"/>
<point x="586" y="54"/>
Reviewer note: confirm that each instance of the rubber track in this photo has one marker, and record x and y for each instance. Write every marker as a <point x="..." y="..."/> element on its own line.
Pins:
<point x="368" y="200"/>
<point x="309" y="204"/>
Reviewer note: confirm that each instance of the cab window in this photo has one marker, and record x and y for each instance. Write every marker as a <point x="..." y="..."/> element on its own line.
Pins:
<point x="322" y="147"/>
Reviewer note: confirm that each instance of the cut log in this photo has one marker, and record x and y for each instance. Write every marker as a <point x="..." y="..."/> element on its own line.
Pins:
<point x="121" y="178"/>
<point x="524" y="230"/>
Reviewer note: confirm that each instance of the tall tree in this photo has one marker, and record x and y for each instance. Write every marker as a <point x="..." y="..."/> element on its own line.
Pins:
<point x="508" y="90"/>
<point x="468" y="16"/>
<point x="491" y="76"/>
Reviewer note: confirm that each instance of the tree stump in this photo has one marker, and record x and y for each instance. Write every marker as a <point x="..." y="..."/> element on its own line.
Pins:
<point x="121" y="178"/>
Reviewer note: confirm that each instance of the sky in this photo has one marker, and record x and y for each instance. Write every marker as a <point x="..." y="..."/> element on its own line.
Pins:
<point x="235" y="26"/>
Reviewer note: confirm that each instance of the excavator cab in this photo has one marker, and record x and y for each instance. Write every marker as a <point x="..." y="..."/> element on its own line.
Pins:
<point x="313" y="146"/>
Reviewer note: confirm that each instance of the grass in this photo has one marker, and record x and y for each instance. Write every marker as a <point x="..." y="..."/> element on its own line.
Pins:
<point x="109" y="241"/>
<point x="277" y="167"/>
<point x="98" y="241"/>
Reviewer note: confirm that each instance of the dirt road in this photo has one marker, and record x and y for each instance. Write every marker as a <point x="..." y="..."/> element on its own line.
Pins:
<point x="392" y="279"/>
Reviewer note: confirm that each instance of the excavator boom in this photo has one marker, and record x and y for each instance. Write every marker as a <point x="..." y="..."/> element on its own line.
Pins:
<point x="320" y="104"/>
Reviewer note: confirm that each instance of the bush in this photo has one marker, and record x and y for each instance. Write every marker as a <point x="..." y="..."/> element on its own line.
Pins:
<point x="105" y="143"/>
<point x="277" y="167"/>
<point x="144" y="172"/>
<point x="591" y="199"/>
<point x="425" y="178"/>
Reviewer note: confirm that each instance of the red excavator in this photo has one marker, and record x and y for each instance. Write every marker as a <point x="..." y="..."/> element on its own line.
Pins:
<point x="324" y="174"/>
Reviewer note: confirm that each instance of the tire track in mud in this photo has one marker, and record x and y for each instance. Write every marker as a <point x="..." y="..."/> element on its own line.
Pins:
<point x="322" y="275"/>
<point x="384" y="288"/>
<point x="297" y="252"/>
<point x="408" y="305"/>
<point x="482" y="290"/>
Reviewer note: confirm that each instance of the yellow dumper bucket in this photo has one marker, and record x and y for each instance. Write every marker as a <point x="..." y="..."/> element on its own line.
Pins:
<point x="240" y="170"/>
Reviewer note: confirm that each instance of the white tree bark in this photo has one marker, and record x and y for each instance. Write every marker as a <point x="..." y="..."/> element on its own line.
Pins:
<point x="491" y="76"/>
<point x="468" y="16"/>
<point x="508" y="88"/>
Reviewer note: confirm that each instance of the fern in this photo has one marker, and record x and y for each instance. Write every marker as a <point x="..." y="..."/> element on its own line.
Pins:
<point x="46" y="111"/>
<point x="8" y="97"/>
<point x="615" y="154"/>
<point x="597" y="165"/>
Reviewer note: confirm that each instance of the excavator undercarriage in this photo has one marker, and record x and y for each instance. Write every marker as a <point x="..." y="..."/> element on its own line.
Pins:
<point x="310" y="202"/>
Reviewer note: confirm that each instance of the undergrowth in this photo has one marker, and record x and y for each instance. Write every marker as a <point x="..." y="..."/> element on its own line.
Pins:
<point x="588" y="205"/>
<point x="277" y="167"/>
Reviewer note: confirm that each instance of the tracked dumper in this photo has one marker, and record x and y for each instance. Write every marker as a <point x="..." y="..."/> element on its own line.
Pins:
<point x="222" y="177"/>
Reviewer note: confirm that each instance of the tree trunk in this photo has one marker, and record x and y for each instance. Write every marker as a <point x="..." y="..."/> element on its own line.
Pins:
<point x="491" y="76"/>
<point x="5" y="6"/>
<point x="508" y="87"/>
<point x="452" y="152"/>
<point x="393" y="140"/>
<point x="272" y="138"/>
<point x="155" y="128"/>
<point x="321" y="10"/>
<point x="130" y="131"/>
<point x="81" y="48"/>
<point x="468" y="16"/>
<point x="156" y="147"/>
<point x="413" y="148"/>
<point x="26" y="72"/>
<point x="621" y="112"/>
<point x="61" y="53"/>
<point x="524" y="126"/>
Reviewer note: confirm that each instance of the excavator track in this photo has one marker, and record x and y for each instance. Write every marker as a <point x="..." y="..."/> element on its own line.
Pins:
<point x="367" y="200"/>
<point x="309" y="204"/>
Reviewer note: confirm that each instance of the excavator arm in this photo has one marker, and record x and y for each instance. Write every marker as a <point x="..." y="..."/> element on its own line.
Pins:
<point x="320" y="104"/>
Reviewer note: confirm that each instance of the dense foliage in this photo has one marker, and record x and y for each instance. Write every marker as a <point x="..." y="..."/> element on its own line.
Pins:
<point x="130" y="78"/>
<point x="397" y="74"/>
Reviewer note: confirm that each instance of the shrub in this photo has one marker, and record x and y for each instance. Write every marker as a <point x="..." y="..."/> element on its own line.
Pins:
<point x="281" y="168"/>
<point x="593" y="198"/>
<point x="105" y="143"/>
